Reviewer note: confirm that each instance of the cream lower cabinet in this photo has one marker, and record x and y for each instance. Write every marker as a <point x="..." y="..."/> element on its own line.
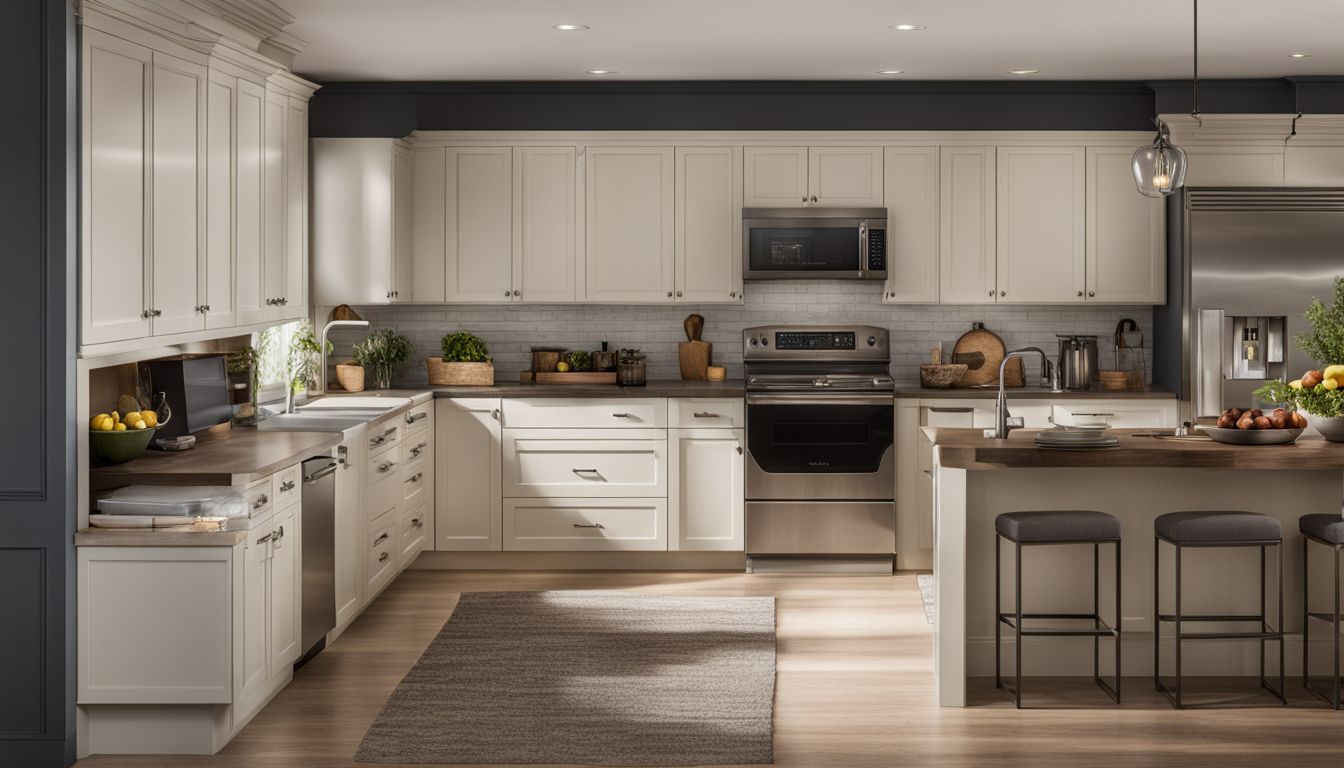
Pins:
<point x="705" y="489"/>
<point x="351" y="457"/>
<point x="468" y="474"/>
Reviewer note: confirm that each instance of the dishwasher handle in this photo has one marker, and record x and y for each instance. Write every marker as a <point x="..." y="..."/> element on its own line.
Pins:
<point x="321" y="472"/>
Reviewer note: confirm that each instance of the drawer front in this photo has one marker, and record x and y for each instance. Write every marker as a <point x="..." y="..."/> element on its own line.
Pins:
<point x="415" y="480"/>
<point x="261" y="497"/>
<point x="413" y="537"/>
<point x="552" y="464"/>
<point x="702" y="412"/>
<point x="417" y="419"/>
<point x="287" y="486"/>
<point x="381" y="554"/>
<point x="383" y="485"/>
<point x="1121" y="414"/>
<point x="587" y="413"/>
<point x="384" y="437"/>
<point x="585" y="524"/>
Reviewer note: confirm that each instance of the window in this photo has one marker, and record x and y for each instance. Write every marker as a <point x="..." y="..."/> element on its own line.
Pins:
<point x="272" y="346"/>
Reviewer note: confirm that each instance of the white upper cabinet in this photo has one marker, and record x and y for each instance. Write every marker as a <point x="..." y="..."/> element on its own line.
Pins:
<point x="273" y="202"/>
<point x="402" y="212"/>
<point x="910" y="181"/>
<point x="845" y="176"/>
<point x="427" y="219"/>
<point x="355" y="221"/>
<point x="629" y="233"/>
<point x="478" y="224"/>
<point x="775" y="176"/>
<point x="294" y="299"/>
<point x="1041" y="216"/>
<point x="708" y="225"/>
<point x="177" y="190"/>
<point x="1126" y="236"/>
<point x="250" y="253"/>
<point x="966" y="226"/>
<point x="546" y="229"/>
<point x="218" y="274"/>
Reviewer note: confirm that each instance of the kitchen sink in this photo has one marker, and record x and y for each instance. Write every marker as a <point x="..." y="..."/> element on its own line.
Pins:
<point x="330" y="421"/>
<point x="372" y="403"/>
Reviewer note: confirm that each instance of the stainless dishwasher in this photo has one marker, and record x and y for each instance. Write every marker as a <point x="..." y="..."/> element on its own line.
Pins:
<point x="319" y="554"/>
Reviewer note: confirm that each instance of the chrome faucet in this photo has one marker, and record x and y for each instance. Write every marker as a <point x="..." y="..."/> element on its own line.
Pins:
<point x="1005" y="422"/>
<point x="323" y="343"/>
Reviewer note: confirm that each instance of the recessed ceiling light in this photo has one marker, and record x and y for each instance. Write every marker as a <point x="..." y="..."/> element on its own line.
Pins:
<point x="1023" y="71"/>
<point x="890" y="71"/>
<point x="907" y="27"/>
<point x="570" y="27"/>
<point x="1299" y="55"/>
<point x="601" y="71"/>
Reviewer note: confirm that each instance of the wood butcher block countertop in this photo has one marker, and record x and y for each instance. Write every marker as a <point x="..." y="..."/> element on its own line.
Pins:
<point x="970" y="449"/>
<point x="231" y="457"/>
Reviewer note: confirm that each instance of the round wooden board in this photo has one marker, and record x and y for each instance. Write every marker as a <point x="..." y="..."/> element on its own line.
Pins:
<point x="982" y="351"/>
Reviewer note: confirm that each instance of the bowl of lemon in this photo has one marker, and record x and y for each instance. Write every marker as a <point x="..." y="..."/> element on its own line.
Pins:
<point x="121" y="435"/>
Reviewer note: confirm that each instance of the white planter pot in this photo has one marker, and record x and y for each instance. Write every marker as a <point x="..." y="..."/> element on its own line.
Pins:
<point x="1331" y="428"/>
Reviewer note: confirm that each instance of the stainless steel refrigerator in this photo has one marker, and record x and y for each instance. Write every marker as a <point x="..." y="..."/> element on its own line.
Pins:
<point x="1244" y="264"/>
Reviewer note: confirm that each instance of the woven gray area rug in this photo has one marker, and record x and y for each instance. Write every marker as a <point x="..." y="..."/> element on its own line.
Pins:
<point x="597" y="678"/>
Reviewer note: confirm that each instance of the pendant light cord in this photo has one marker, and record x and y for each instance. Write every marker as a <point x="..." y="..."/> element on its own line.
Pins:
<point x="1195" y="86"/>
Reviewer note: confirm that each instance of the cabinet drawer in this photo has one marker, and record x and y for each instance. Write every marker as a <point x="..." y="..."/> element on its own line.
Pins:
<point x="415" y="480"/>
<point x="261" y="498"/>
<point x="698" y="413"/>
<point x="417" y="419"/>
<point x="585" y="524"/>
<point x="604" y="463"/>
<point x="383" y="485"/>
<point x="381" y="554"/>
<point x="587" y="413"/>
<point x="413" y="534"/>
<point x="1120" y="414"/>
<point x="383" y="437"/>
<point x="288" y="486"/>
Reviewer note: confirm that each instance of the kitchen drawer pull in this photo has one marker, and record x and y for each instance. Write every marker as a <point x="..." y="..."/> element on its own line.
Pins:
<point x="417" y="449"/>
<point x="386" y="465"/>
<point x="928" y="472"/>
<point x="706" y="415"/>
<point x="411" y="418"/>
<point x="383" y="557"/>
<point x="598" y="526"/>
<point x="377" y="441"/>
<point x="494" y="414"/>
<point x="381" y="538"/>
<point x="265" y="538"/>
<point x="946" y="409"/>
<point x="585" y="473"/>
<point x="288" y="485"/>
<point x="279" y="534"/>
<point x="417" y="522"/>
<point x="620" y="415"/>
<point x="1088" y="413"/>
<point x="415" y="478"/>
<point x="261" y="501"/>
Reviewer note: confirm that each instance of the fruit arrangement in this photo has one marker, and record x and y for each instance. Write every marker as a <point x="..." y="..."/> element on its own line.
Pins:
<point x="1328" y="379"/>
<point x="1255" y="418"/>
<point x="127" y="416"/>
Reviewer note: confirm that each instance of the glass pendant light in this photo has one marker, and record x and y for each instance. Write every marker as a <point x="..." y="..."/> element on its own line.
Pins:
<point x="1159" y="168"/>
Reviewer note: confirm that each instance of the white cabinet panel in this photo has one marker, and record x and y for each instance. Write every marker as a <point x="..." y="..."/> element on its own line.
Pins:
<point x="705" y="412"/>
<point x="1120" y="414"/>
<point x="629" y="233"/>
<point x="217" y="275"/>
<point x="775" y="176"/>
<point x="177" y="190"/>
<point x="705" y="490"/>
<point x="845" y="176"/>
<point x="585" y="524"/>
<point x="1126" y="235"/>
<point x="250" y="251"/>
<point x="709" y="225"/>
<point x="362" y="221"/>
<point x="468" y="474"/>
<point x="966" y="241"/>
<point x="350" y="528"/>
<point x="256" y="615"/>
<point x="478" y="234"/>
<point x="402" y="269"/>
<point x="585" y="464"/>
<point x="413" y="535"/>
<point x="384" y="545"/>
<point x="910" y="181"/>
<point x="585" y="413"/>
<point x="546" y="223"/>
<point x="274" y="201"/>
<point x="427" y="223"/>
<point x="1041" y="215"/>
<point x="295" y="296"/>
<point x="1235" y="167"/>
<point x="286" y="578"/>
<point x="114" y="191"/>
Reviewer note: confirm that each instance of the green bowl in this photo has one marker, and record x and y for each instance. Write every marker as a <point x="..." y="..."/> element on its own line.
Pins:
<point x="119" y="447"/>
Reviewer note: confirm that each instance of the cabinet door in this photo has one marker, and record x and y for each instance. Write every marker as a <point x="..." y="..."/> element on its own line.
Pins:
<point x="1126" y="236"/>
<point x="546" y="223"/>
<point x="478" y="234"/>
<point x="250" y="252"/>
<point x="1120" y="414"/>
<point x="845" y="176"/>
<point x="427" y="223"/>
<point x="114" y="115"/>
<point x="285" y="579"/>
<point x="352" y="232"/>
<point x="468" y="474"/>
<point x="178" y="162"/>
<point x="966" y="226"/>
<point x="775" y="176"/>
<point x="295" y="296"/>
<point x="709" y="225"/>
<point x="273" y="203"/>
<point x="910" y="183"/>
<point x="256" y="610"/>
<point x="217" y="276"/>
<point x="630" y="244"/>
<point x="402" y="271"/>
<point x="350" y="527"/>
<point x="1041" y="214"/>
<point x="705" y="489"/>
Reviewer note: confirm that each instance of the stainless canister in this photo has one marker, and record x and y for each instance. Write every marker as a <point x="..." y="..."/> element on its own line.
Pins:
<point x="631" y="371"/>
<point x="1077" y="360"/>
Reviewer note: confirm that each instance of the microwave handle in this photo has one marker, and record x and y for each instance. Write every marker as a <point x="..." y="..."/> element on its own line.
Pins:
<point x="863" y="247"/>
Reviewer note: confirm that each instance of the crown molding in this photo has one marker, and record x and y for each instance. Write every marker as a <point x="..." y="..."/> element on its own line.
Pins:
<point x="1229" y="130"/>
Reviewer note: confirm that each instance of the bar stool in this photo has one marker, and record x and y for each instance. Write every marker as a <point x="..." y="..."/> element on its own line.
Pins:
<point x="1045" y="528"/>
<point x="1222" y="530"/>
<point x="1328" y="529"/>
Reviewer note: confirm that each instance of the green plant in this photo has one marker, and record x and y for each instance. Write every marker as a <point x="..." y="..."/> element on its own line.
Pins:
<point x="465" y="347"/>
<point x="382" y="352"/>
<point x="579" y="361"/>
<point x="1318" y="401"/>
<point x="1325" y="343"/>
<point x="305" y="355"/>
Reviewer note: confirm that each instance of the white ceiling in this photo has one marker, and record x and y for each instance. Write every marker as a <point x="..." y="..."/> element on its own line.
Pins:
<point x="812" y="39"/>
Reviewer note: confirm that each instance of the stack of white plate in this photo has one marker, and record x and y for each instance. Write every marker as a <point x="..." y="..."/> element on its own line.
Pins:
<point x="1090" y="436"/>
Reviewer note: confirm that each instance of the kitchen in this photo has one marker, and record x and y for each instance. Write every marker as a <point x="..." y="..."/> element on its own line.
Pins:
<point x="375" y="348"/>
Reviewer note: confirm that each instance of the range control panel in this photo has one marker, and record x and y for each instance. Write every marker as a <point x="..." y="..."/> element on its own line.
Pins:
<point x="822" y="343"/>
<point x="813" y="340"/>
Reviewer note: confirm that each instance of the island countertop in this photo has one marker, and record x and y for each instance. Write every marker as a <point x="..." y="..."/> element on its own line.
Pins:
<point x="227" y="457"/>
<point x="970" y="449"/>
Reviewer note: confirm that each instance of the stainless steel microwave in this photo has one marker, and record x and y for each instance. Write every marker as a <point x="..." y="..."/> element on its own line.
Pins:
<point x="819" y="243"/>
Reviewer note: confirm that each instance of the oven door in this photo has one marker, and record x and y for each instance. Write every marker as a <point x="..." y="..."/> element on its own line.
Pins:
<point x="782" y="248"/>
<point x="818" y="447"/>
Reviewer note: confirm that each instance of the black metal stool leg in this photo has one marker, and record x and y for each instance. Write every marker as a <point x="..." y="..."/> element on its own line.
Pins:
<point x="1178" y="626"/>
<point x="1264" y="615"/>
<point x="1306" y="614"/>
<point x="1017" y="603"/>
<point x="1157" y="613"/>
<point x="1119" y="619"/>
<point x="998" y="615"/>
<point x="1096" y="610"/>
<point x="1335" y="626"/>
<point x="1283" y="690"/>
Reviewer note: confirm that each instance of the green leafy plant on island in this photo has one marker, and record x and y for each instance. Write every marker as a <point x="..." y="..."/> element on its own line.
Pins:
<point x="381" y="353"/>
<point x="465" y="347"/>
<point x="1318" y="392"/>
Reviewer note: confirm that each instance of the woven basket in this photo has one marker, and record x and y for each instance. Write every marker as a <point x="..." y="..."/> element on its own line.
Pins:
<point x="350" y="377"/>
<point x="460" y="374"/>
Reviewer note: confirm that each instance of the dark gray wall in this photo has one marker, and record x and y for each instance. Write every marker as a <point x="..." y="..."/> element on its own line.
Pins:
<point x="37" y="467"/>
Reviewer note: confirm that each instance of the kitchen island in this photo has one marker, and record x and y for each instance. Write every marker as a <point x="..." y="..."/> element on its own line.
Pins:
<point x="977" y="478"/>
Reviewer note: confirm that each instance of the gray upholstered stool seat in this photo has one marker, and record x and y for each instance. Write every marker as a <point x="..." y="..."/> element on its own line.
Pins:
<point x="1326" y="526"/>
<point x="1057" y="526"/>
<point x="1217" y="527"/>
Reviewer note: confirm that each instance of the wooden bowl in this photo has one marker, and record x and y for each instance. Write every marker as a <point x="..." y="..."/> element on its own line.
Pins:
<point x="941" y="376"/>
<point x="1114" y="381"/>
<point x="716" y="373"/>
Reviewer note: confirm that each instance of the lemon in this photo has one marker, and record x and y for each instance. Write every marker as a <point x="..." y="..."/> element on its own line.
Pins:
<point x="1335" y="372"/>
<point x="150" y="418"/>
<point x="97" y="421"/>
<point x="137" y="425"/>
<point x="1296" y="384"/>
<point x="119" y="427"/>
<point x="562" y="366"/>
<point x="1330" y="384"/>
<point x="116" y="417"/>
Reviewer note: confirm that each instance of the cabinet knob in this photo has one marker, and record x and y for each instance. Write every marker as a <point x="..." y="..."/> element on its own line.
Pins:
<point x="669" y="294"/>
<point x="507" y="294"/>
<point x="804" y="198"/>
<point x="156" y="313"/>
<point x="678" y="294"/>
<point x="383" y="557"/>
<point x="732" y="294"/>
<point x="1003" y="293"/>
<point x="814" y="198"/>
<point x="1080" y="293"/>
<point x="991" y="293"/>
<point x="144" y="314"/>
<point x="1090" y="294"/>
<point x="517" y="293"/>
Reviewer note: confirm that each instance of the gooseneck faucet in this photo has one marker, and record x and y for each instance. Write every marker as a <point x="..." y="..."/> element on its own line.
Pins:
<point x="1003" y="421"/>
<point x="323" y="343"/>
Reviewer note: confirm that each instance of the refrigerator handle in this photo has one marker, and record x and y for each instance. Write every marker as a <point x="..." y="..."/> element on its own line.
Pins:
<point x="1208" y="394"/>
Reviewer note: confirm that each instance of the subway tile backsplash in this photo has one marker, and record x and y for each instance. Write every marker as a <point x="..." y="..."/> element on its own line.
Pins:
<point x="511" y="330"/>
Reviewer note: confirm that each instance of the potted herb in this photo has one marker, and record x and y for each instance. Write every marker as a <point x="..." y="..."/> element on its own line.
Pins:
<point x="305" y="355"/>
<point x="1319" y="392"/>
<point x="465" y="362"/>
<point x="381" y="353"/>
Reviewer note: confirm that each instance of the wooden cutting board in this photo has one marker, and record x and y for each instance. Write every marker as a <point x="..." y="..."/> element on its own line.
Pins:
<point x="694" y="359"/>
<point x="982" y="351"/>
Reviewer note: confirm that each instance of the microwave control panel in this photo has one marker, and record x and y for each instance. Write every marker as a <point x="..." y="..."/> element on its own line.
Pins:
<point x="877" y="250"/>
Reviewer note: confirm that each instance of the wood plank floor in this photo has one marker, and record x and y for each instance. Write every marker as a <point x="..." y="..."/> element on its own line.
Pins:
<point x="855" y="688"/>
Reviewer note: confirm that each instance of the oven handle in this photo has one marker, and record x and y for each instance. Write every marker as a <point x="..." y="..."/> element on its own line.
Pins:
<point x="830" y="398"/>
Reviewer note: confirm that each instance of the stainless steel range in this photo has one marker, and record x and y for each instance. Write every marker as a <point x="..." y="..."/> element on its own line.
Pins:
<point x="821" y="477"/>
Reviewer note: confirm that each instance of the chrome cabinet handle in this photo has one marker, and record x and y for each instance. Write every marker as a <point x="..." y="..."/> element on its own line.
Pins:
<point x="1080" y="293"/>
<point x="155" y="312"/>
<point x="266" y="538"/>
<point x="415" y="478"/>
<point x="991" y="293"/>
<point x="381" y="538"/>
<point x="598" y="526"/>
<point x="417" y="449"/>
<point x="378" y="440"/>
<point x="1003" y="293"/>
<point x="260" y="501"/>
<point x="706" y="415"/>
<point x="411" y="418"/>
<point x="383" y="557"/>
<point x="804" y="198"/>
<point x="494" y="414"/>
<point x="417" y="522"/>
<point x="589" y="474"/>
<point x="288" y="485"/>
<point x="739" y="450"/>
<point x="386" y="465"/>
<point x="678" y="294"/>
<point x="669" y="294"/>
<point x="1087" y="413"/>
<point x="279" y="534"/>
<point x="506" y="294"/>
<point x="620" y="415"/>
<point x="945" y="409"/>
